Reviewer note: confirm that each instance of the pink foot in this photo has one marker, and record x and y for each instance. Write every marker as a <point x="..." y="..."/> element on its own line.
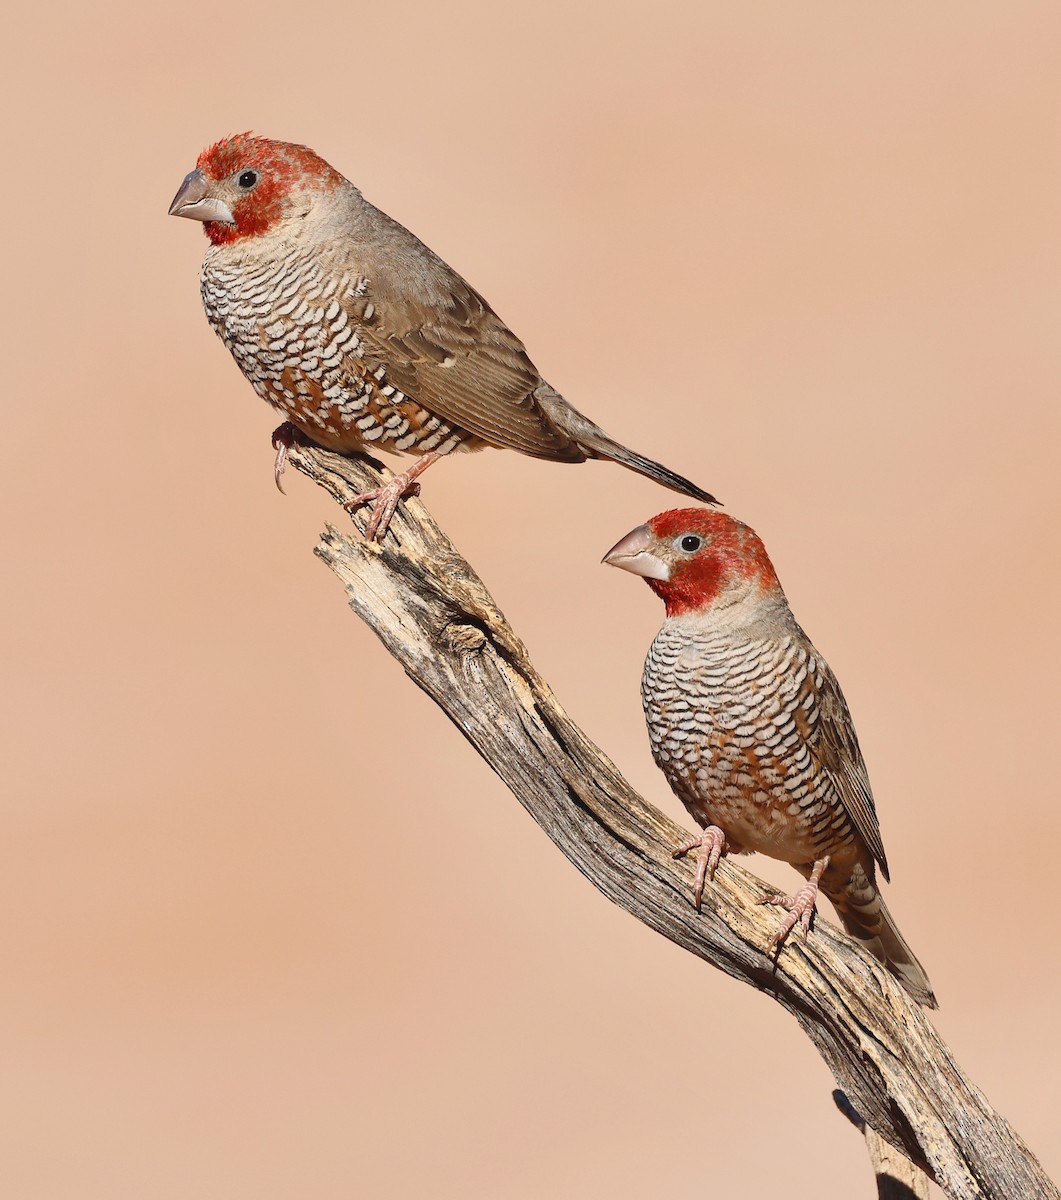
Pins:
<point x="800" y="907"/>
<point x="710" y="846"/>
<point x="384" y="500"/>
<point x="284" y="437"/>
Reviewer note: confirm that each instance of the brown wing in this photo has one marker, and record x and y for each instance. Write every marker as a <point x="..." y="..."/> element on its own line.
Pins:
<point x="837" y="751"/>
<point x="440" y="342"/>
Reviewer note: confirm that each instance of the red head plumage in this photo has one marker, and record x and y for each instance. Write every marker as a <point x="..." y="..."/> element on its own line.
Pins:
<point x="691" y="556"/>
<point x="278" y="170"/>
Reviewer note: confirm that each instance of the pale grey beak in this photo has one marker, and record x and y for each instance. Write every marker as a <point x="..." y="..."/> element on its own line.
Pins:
<point x="192" y="201"/>
<point x="631" y="554"/>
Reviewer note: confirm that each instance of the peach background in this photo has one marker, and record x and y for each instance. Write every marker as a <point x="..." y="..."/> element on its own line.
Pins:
<point x="270" y="928"/>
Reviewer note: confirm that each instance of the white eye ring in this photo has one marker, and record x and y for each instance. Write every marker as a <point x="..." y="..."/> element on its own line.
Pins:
<point x="688" y="543"/>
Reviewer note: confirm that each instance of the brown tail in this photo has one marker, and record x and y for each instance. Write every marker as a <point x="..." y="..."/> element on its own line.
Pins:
<point x="607" y="447"/>
<point x="595" y="443"/>
<point x="865" y="916"/>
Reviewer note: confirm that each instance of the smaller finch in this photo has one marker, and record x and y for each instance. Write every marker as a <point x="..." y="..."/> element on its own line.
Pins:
<point x="749" y="725"/>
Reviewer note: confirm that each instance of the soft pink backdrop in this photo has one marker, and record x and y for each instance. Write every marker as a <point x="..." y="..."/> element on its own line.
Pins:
<point x="270" y="928"/>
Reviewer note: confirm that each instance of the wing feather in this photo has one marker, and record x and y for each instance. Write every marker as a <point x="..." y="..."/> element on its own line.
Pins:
<point x="450" y="352"/>
<point x="835" y="746"/>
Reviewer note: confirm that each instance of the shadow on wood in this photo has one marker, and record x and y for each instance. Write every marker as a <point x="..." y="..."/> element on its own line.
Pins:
<point x="897" y="1177"/>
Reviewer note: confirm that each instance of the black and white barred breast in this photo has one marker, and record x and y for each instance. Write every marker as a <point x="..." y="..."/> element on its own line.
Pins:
<point x="733" y="723"/>
<point x="295" y="326"/>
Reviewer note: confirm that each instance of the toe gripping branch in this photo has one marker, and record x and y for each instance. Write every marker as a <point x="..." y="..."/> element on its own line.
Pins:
<point x="384" y="499"/>
<point x="801" y="906"/>
<point x="710" y="846"/>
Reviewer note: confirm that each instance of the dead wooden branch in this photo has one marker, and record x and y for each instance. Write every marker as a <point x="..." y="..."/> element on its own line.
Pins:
<point x="434" y="615"/>
<point x="897" y="1177"/>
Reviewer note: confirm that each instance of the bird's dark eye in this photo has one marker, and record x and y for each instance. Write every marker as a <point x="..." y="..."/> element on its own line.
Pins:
<point x="690" y="543"/>
<point x="247" y="180"/>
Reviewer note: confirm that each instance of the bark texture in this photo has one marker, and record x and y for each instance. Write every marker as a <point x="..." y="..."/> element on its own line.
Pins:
<point x="897" y="1177"/>
<point x="435" y="616"/>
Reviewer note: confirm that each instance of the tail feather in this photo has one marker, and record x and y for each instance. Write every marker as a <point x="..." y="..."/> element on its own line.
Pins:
<point x="617" y="452"/>
<point x="866" y="917"/>
<point x="595" y="443"/>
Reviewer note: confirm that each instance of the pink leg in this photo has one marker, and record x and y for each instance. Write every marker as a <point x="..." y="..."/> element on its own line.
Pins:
<point x="710" y="846"/>
<point x="385" y="499"/>
<point x="284" y="437"/>
<point x="800" y="906"/>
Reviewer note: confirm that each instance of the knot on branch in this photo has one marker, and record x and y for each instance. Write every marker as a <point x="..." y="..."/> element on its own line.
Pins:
<point x="465" y="637"/>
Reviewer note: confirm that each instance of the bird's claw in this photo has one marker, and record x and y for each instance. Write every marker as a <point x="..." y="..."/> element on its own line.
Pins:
<point x="284" y="437"/>
<point x="800" y="910"/>
<point x="710" y="846"/>
<point x="801" y="907"/>
<point x="384" y="499"/>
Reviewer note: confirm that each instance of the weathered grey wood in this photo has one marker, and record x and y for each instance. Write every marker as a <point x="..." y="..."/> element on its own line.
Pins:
<point x="897" y="1177"/>
<point x="435" y="616"/>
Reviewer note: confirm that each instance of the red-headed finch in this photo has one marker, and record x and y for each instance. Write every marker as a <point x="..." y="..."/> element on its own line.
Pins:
<point x="749" y="725"/>
<point x="358" y="335"/>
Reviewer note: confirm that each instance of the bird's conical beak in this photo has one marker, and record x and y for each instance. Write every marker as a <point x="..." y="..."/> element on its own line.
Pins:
<point x="632" y="554"/>
<point x="192" y="201"/>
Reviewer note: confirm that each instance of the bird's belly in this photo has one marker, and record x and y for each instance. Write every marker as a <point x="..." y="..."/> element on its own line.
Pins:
<point x="753" y="819"/>
<point x="338" y="409"/>
<point x="346" y="417"/>
<point x="736" y="755"/>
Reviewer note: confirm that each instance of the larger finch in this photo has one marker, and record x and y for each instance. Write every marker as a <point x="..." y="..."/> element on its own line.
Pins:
<point x="750" y="727"/>
<point x="358" y="335"/>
